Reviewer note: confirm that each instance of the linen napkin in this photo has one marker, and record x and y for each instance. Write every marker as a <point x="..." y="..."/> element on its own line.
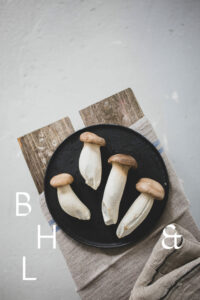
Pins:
<point x="171" y="273"/>
<point x="103" y="274"/>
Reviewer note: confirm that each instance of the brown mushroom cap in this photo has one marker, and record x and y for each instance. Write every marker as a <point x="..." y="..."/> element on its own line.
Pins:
<point x="90" y="137"/>
<point x="123" y="159"/>
<point x="151" y="187"/>
<point x="61" y="179"/>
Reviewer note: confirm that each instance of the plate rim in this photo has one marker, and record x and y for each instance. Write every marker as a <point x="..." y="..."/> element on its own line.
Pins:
<point x="86" y="241"/>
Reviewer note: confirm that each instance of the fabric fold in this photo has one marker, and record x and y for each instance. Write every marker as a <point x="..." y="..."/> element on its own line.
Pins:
<point x="169" y="273"/>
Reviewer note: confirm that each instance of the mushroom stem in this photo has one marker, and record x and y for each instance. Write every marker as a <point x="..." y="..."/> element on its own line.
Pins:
<point x="90" y="164"/>
<point x="71" y="204"/>
<point x="113" y="192"/>
<point x="135" y="214"/>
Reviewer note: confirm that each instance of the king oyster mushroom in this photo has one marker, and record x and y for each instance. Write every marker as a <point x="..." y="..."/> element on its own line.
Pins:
<point x="90" y="159"/>
<point x="68" y="200"/>
<point x="121" y="163"/>
<point x="138" y="211"/>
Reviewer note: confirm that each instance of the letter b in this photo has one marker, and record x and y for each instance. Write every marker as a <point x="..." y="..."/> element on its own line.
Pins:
<point x="25" y="204"/>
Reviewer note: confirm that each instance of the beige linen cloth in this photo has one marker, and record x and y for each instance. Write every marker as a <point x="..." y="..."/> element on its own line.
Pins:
<point x="103" y="274"/>
<point x="171" y="273"/>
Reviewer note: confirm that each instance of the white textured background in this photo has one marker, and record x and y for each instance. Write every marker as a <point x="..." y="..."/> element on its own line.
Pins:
<point x="57" y="57"/>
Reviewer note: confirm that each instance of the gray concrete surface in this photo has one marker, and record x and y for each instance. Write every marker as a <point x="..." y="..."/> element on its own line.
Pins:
<point x="57" y="57"/>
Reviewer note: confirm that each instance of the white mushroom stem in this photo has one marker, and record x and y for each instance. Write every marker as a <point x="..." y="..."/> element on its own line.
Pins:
<point x="71" y="204"/>
<point x="135" y="215"/>
<point x="90" y="164"/>
<point x="113" y="193"/>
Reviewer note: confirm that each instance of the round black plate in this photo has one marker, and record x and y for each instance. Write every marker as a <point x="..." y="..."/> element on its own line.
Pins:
<point x="119" y="139"/>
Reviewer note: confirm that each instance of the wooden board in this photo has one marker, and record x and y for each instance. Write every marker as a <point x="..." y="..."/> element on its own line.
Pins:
<point x="39" y="145"/>
<point x="121" y="109"/>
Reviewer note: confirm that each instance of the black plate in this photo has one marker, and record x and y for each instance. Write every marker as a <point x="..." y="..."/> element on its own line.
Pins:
<point x="119" y="139"/>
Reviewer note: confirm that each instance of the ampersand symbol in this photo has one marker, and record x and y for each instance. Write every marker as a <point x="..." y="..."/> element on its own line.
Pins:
<point x="175" y="236"/>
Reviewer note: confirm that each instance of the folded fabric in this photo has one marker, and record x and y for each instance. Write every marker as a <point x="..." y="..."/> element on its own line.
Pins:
<point x="171" y="273"/>
<point x="103" y="274"/>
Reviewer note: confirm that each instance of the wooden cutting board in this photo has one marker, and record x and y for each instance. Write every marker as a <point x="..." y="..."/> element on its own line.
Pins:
<point x="38" y="146"/>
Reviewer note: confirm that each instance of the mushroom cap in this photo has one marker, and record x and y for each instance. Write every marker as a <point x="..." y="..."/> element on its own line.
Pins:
<point x="123" y="159"/>
<point x="61" y="180"/>
<point x="151" y="187"/>
<point x="90" y="137"/>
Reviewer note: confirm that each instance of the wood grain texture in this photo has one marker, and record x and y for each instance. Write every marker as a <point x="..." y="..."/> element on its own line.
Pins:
<point x="38" y="146"/>
<point x="121" y="108"/>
